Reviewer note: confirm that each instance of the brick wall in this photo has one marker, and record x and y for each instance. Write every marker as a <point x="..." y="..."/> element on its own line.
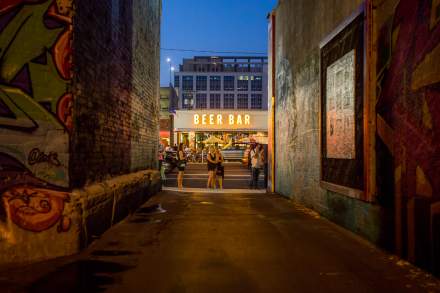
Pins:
<point x="116" y="57"/>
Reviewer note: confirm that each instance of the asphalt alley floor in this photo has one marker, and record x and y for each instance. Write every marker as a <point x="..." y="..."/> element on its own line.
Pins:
<point x="212" y="242"/>
<point x="237" y="176"/>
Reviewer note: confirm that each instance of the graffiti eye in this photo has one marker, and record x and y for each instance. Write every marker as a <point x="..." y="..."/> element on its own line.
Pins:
<point x="45" y="204"/>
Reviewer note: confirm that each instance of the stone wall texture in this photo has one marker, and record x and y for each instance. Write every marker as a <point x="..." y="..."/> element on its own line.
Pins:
<point x="402" y="44"/>
<point x="79" y="121"/>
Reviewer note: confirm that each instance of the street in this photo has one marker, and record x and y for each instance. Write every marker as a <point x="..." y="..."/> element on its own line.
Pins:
<point x="206" y="242"/>
<point x="196" y="175"/>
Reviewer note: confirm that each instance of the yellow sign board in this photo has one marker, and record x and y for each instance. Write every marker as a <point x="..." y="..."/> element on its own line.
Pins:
<point x="221" y="119"/>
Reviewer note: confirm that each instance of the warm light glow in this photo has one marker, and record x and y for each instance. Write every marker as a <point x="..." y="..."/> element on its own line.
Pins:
<point x="247" y="119"/>
<point x="217" y="119"/>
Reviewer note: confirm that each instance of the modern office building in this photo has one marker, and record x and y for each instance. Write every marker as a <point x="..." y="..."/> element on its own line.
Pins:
<point x="221" y="96"/>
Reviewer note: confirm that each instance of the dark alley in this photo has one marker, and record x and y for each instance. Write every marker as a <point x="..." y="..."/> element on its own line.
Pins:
<point x="195" y="242"/>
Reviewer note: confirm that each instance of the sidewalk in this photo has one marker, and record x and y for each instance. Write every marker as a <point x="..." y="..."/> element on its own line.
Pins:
<point x="209" y="242"/>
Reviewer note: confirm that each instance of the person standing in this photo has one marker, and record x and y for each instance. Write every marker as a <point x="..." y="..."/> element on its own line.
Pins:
<point x="256" y="161"/>
<point x="220" y="172"/>
<point x="249" y="163"/>
<point x="181" y="164"/>
<point x="265" y="164"/>
<point x="211" y="158"/>
<point x="161" y="165"/>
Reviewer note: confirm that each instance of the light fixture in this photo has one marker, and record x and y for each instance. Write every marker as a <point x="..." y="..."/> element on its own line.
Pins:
<point x="168" y="60"/>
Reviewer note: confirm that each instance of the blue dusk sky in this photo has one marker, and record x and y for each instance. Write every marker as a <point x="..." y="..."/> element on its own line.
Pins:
<point x="215" y="25"/>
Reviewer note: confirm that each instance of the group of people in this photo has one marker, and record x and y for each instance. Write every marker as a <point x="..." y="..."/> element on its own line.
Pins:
<point x="216" y="170"/>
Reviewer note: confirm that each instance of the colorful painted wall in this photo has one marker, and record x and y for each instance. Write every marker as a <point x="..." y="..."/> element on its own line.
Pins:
<point x="78" y="127"/>
<point x="35" y="123"/>
<point x="407" y="36"/>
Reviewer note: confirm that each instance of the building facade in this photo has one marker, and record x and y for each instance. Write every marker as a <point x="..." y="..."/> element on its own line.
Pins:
<point x="168" y="104"/>
<point x="222" y="96"/>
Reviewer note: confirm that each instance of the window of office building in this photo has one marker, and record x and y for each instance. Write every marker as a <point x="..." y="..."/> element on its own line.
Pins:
<point x="187" y="101"/>
<point x="242" y="101"/>
<point x="228" y="101"/>
<point x="256" y="101"/>
<point x="256" y="83"/>
<point x="176" y="81"/>
<point x="228" y="83"/>
<point x="187" y="82"/>
<point x="214" y="101"/>
<point x="201" y="83"/>
<point x="214" y="83"/>
<point x="243" y="83"/>
<point x="201" y="101"/>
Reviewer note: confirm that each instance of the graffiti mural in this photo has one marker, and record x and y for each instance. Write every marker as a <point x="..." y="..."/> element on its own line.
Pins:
<point x="408" y="109"/>
<point x="35" y="113"/>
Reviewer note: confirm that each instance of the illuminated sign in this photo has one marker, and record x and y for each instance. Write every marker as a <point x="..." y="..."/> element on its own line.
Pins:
<point x="222" y="119"/>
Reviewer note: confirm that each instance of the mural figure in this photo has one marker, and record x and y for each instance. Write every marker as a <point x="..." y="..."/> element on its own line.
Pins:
<point x="35" y="112"/>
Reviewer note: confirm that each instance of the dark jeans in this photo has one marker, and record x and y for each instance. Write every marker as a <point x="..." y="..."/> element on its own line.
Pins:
<point x="265" y="175"/>
<point x="255" y="175"/>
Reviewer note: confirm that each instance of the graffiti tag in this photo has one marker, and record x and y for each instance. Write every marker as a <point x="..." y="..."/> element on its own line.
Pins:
<point x="36" y="209"/>
<point x="36" y="156"/>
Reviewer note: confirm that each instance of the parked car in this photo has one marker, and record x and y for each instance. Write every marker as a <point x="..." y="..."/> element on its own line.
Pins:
<point x="232" y="153"/>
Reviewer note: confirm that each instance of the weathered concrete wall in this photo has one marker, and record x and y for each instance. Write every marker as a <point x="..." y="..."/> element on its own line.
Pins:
<point x="71" y="125"/>
<point x="300" y="27"/>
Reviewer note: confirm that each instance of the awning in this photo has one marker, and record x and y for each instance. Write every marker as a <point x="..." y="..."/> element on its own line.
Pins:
<point x="164" y="134"/>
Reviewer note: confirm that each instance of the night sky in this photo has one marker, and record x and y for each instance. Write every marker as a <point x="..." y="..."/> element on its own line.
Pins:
<point x="218" y="25"/>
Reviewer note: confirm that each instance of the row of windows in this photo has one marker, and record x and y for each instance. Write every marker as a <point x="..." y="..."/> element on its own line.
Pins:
<point x="228" y="101"/>
<point x="215" y="83"/>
